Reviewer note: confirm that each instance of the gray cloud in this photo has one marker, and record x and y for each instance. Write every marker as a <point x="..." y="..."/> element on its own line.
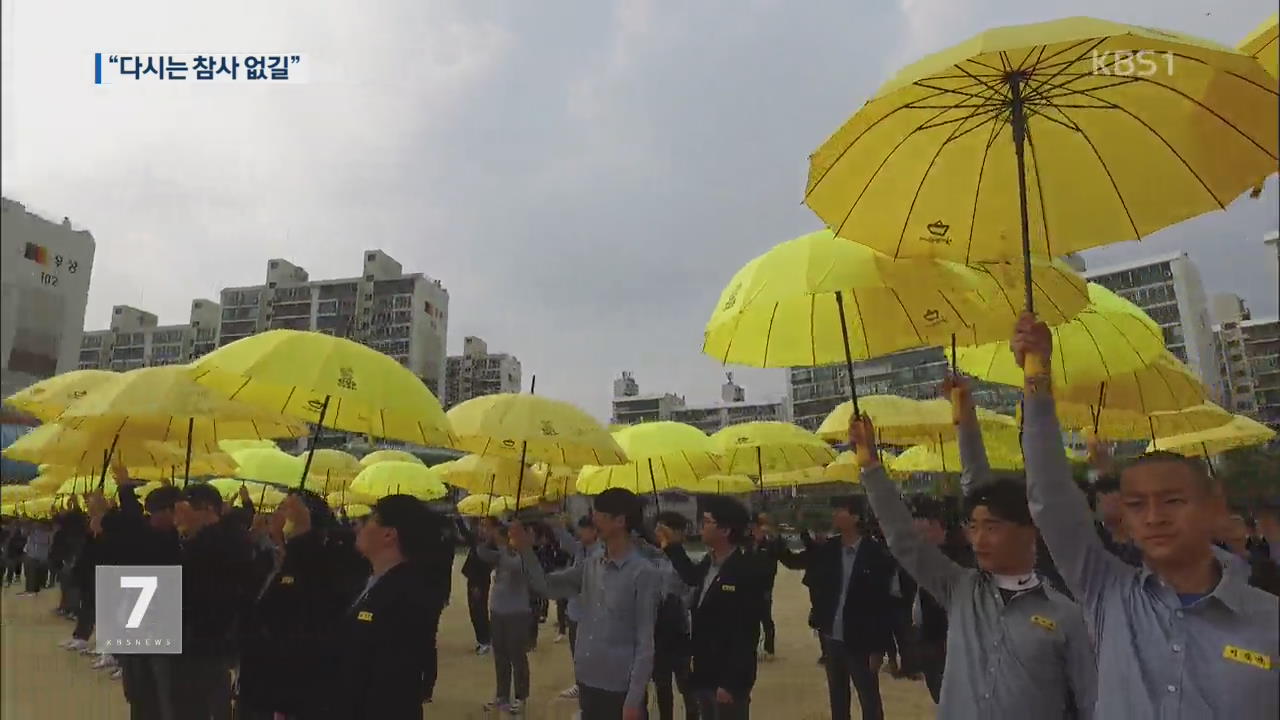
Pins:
<point x="582" y="176"/>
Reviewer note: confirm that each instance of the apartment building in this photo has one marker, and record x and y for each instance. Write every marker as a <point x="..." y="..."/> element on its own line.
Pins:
<point x="135" y="338"/>
<point x="1249" y="360"/>
<point x="478" y="372"/>
<point x="630" y="407"/>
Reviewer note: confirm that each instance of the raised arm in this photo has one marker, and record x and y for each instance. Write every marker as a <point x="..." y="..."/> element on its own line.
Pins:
<point x="564" y="583"/>
<point x="924" y="561"/>
<point x="1059" y="508"/>
<point x="690" y="574"/>
<point x="975" y="468"/>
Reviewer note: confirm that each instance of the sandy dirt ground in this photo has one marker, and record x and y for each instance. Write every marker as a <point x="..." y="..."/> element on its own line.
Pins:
<point x="39" y="681"/>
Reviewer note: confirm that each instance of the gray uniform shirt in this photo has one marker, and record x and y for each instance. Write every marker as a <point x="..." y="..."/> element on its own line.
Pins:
<point x="510" y="593"/>
<point x="1023" y="659"/>
<point x="618" y="606"/>
<point x="1216" y="658"/>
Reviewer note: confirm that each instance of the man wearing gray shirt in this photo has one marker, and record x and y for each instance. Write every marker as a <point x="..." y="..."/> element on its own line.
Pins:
<point x="617" y="593"/>
<point x="510" y="616"/>
<point x="1016" y="648"/>
<point x="1183" y="636"/>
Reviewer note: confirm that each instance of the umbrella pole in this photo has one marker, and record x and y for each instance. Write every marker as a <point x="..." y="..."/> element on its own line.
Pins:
<point x="848" y="354"/>
<point x="1151" y="423"/>
<point x="657" y="503"/>
<point x="942" y="453"/>
<point x="1212" y="473"/>
<point x="106" y="461"/>
<point x="524" y="449"/>
<point x="1018" y="120"/>
<point x="191" y="424"/>
<point x="315" y="437"/>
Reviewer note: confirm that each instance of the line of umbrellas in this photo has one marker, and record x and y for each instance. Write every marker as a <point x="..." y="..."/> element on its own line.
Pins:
<point x="949" y="194"/>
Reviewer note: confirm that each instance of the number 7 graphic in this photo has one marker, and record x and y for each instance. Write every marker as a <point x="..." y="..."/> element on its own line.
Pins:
<point x="147" y="584"/>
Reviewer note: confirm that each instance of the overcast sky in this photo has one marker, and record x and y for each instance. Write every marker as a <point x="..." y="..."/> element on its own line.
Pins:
<point x="583" y="176"/>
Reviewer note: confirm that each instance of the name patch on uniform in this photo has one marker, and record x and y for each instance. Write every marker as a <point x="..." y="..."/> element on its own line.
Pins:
<point x="1044" y="622"/>
<point x="1247" y="657"/>
<point x="364" y="616"/>
<point x="729" y="588"/>
<point x="286" y="579"/>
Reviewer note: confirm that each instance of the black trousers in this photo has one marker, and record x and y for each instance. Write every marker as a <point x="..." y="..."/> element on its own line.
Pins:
<point x="667" y="669"/>
<point x="478" y="607"/>
<point x="562" y="616"/>
<point x="904" y="639"/>
<point x="845" y="667"/>
<point x="36" y="573"/>
<point x="766" y="623"/>
<point x="933" y="662"/>
<point x="201" y="688"/>
<point x="431" y="671"/>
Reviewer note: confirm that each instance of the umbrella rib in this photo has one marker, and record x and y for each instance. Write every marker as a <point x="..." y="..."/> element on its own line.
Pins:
<point x="813" y="342"/>
<point x="1106" y="169"/>
<point x="982" y="168"/>
<point x="866" y="340"/>
<point x="920" y="185"/>
<point x="905" y="311"/>
<point x="768" y="336"/>
<point x="1063" y="66"/>
<point x="1044" y="214"/>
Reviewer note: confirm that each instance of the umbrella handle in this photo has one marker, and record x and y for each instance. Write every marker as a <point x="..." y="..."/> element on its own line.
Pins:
<point x="315" y="436"/>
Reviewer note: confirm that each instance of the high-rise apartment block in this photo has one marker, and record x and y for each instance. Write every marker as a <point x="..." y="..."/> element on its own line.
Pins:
<point x="1249" y="360"/>
<point x="630" y="407"/>
<point x="135" y="339"/>
<point x="478" y="372"/>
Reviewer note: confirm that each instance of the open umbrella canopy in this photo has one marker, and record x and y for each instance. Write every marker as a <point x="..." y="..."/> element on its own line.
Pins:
<point x="768" y="447"/>
<point x="1164" y="385"/>
<point x="331" y="469"/>
<point x="164" y="403"/>
<point x="378" y="456"/>
<point x="47" y="399"/>
<point x="47" y="482"/>
<point x="1261" y="44"/>
<point x="231" y="446"/>
<point x="720" y="485"/>
<point x="1241" y="432"/>
<point x="329" y="381"/>
<point x="400" y="478"/>
<point x="662" y="455"/>
<point x="1130" y="425"/>
<point x="929" y="167"/>
<point x="81" y="484"/>
<point x="480" y="505"/>
<point x="809" y="476"/>
<point x="945" y="457"/>
<point x="532" y="427"/>
<point x="347" y="497"/>
<point x="907" y="421"/>
<point x="1109" y="338"/>
<point x="845" y="468"/>
<point x="36" y="508"/>
<point x="16" y="493"/>
<point x="83" y="451"/>
<point x="202" y="464"/>
<point x="268" y="466"/>
<point x="485" y="474"/>
<point x="261" y="493"/>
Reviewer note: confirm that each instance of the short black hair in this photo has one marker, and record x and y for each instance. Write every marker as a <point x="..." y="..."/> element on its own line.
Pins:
<point x="1005" y="498"/>
<point x="855" y="504"/>
<point x="419" y="530"/>
<point x="1106" y="484"/>
<point x="161" y="499"/>
<point x="322" y="517"/>
<point x="1199" y="472"/>
<point x="621" y="502"/>
<point x="201" y="496"/>
<point x="673" y="520"/>
<point x="729" y="514"/>
<point x="585" y="522"/>
<point x="926" y="508"/>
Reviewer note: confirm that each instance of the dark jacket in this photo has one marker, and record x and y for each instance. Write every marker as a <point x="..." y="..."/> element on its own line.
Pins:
<point x="868" y="619"/>
<point x="475" y="570"/>
<point x="726" y="622"/>
<point x="766" y="553"/>
<point x="382" y="652"/>
<point x="217" y="582"/>
<point x="288" y="628"/>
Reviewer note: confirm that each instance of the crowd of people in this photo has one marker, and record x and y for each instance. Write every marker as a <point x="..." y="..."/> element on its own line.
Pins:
<point x="1139" y="595"/>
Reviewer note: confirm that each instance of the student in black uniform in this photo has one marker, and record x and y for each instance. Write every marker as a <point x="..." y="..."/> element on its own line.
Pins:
<point x="382" y="654"/>
<point x="478" y="574"/>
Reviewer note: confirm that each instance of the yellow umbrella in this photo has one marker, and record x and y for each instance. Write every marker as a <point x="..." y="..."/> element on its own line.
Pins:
<point x="1241" y="432"/>
<point x="164" y="403"/>
<point x="662" y="455"/>
<point x="329" y="381"/>
<point x="37" y="508"/>
<point x="231" y="446"/>
<point x="229" y="487"/>
<point x="846" y="468"/>
<point x="358" y="511"/>
<point x="342" y="498"/>
<point x="720" y="485"/>
<point x="47" y="482"/>
<point x="1115" y="424"/>
<point x="332" y="468"/>
<point x="484" y="474"/>
<point x="15" y="493"/>
<point x="808" y="476"/>
<point x="906" y="421"/>
<point x="1164" y="385"/>
<point x="1049" y="133"/>
<point x="378" y="456"/>
<point x="202" y="464"/>
<point x="761" y="448"/>
<point x="480" y="505"/>
<point x="532" y="428"/>
<point x="553" y="482"/>
<point x="269" y="466"/>
<point x="1261" y="44"/>
<point x="946" y="458"/>
<point x="400" y="478"/>
<point x="82" y="451"/>
<point x="1109" y="338"/>
<point x="47" y="399"/>
<point x="81" y="484"/>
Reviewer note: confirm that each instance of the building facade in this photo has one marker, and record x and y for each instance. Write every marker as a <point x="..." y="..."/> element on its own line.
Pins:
<point x="1169" y="289"/>
<point x="631" y="408"/>
<point x="44" y="288"/>
<point x="402" y="315"/>
<point x="478" y="372"/>
<point x="1249" y="360"/>
<point x="135" y="339"/>
<point x="918" y="373"/>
